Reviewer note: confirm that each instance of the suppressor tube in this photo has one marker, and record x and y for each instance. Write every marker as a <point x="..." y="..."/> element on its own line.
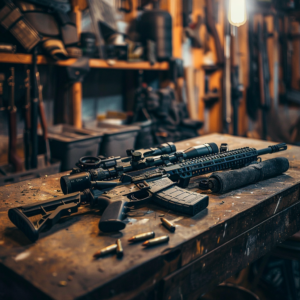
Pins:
<point x="223" y="182"/>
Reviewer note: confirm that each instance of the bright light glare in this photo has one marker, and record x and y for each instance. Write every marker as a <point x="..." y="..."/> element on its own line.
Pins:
<point x="237" y="12"/>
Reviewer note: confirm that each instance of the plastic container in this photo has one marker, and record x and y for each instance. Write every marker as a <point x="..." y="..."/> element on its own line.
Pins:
<point x="68" y="144"/>
<point x="116" y="138"/>
<point x="144" y="139"/>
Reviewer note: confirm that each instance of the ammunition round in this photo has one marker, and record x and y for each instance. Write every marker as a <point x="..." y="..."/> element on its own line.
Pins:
<point x="105" y="251"/>
<point x="168" y="224"/>
<point x="142" y="237"/>
<point x="156" y="241"/>
<point x="119" y="248"/>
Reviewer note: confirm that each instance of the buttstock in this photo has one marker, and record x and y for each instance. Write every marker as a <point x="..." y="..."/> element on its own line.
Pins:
<point x="23" y="223"/>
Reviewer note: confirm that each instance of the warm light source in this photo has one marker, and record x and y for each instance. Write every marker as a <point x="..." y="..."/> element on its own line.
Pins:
<point x="237" y="15"/>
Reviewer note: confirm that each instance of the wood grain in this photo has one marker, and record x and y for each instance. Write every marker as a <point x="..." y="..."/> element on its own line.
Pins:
<point x="94" y="63"/>
<point x="67" y="249"/>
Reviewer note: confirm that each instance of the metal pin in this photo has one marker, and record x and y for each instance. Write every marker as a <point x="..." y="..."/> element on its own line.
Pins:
<point x="119" y="248"/>
<point x="156" y="241"/>
<point x="168" y="224"/>
<point x="106" y="250"/>
<point x="142" y="237"/>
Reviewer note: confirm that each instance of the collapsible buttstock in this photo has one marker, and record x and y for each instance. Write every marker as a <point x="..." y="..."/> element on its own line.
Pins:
<point x="51" y="212"/>
<point x="23" y="223"/>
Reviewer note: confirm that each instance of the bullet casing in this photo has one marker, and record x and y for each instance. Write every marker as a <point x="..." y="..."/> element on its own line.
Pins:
<point x="106" y="250"/>
<point x="142" y="237"/>
<point x="119" y="248"/>
<point x="168" y="224"/>
<point x="156" y="241"/>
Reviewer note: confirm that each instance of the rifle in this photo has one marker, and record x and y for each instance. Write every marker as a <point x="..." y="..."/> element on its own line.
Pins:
<point x="43" y="119"/>
<point x="34" y="111"/>
<point x="211" y="26"/>
<point x="227" y="81"/>
<point x="253" y="88"/>
<point x="27" y="107"/>
<point x="236" y="87"/>
<point x="94" y="169"/>
<point x="286" y="37"/>
<point x="2" y="79"/>
<point x="13" y="158"/>
<point x="116" y="197"/>
<point x="264" y="75"/>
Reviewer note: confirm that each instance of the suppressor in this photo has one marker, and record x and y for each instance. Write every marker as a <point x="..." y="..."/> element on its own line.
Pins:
<point x="223" y="182"/>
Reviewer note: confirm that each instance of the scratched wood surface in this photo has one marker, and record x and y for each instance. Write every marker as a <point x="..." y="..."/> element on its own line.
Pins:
<point x="60" y="264"/>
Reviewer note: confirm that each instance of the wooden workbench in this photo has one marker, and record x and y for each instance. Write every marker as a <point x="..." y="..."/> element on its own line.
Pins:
<point x="235" y="229"/>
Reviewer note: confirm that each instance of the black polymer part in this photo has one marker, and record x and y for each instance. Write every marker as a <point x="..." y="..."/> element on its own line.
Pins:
<point x="224" y="182"/>
<point x="183" y="201"/>
<point x="114" y="167"/>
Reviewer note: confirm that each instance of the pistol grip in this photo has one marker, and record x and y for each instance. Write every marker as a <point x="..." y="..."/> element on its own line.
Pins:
<point x="23" y="223"/>
<point x="111" y="219"/>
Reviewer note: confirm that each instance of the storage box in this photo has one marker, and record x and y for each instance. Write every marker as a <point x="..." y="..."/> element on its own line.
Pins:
<point x="116" y="138"/>
<point x="68" y="144"/>
<point x="144" y="139"/>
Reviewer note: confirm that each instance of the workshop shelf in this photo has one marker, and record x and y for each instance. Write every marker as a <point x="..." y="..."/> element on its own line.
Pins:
<point x="94" y="63"/>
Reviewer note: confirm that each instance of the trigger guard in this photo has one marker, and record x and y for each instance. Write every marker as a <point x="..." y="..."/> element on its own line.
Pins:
<point x="133" y="200"/>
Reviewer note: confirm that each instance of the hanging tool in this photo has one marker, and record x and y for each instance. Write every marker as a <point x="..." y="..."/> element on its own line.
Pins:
<point x="264" y="75"/>
<point x="27" y="115"/>
<point x="211" y="27"/>
<point x="34" y="111"/>
<point x="236" y="87"/>
<point x="125" y="5"/>
<point x="227" y="80"/>
<point x="43" y="120"/>
<point x="2" y="80"/>
<point x="13" y="158"/>
<point x="253" y="87"/>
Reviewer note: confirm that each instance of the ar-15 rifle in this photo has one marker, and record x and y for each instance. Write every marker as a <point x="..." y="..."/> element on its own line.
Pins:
<point x="286" y="37"/>
<point x="27" y="114"/>
<point x="34" y="111"/>
<point x="211" y="26"/>
<point x="93" y="169"/>
<point x="264" y="75"/>
<point x="2" y="79"/>
<point x="116" y="197"/>
<point x="236" y="85"/>
<point x="43" y="119"/>
<point x="13" y="158"/>
<point x="253" y="88"/>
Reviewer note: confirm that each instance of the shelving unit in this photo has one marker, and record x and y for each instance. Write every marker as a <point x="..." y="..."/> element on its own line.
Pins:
<point x="94" y="63"/>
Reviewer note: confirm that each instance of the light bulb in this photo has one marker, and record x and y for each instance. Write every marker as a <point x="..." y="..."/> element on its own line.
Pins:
<point x="237" y="15"/>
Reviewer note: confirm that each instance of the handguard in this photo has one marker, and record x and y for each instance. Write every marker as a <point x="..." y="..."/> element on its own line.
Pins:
<point x="51" y="212"/>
